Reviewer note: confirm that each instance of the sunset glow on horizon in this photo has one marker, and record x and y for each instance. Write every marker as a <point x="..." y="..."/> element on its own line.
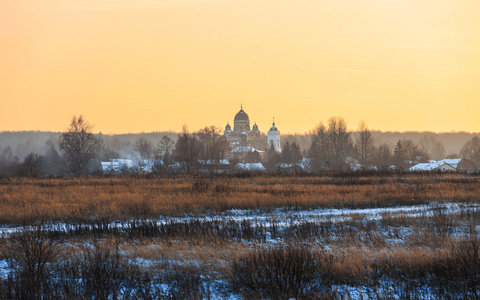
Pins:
<point x="142" y="66"/>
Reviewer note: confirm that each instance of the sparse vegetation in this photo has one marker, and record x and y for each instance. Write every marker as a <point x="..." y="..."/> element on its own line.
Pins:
<point x="120" y="198"/>
<point x="159" y="237"/>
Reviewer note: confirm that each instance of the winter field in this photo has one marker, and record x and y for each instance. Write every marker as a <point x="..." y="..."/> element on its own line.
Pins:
<point x="336" y="236"/>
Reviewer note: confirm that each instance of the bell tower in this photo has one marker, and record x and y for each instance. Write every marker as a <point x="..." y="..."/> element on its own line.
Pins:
<point x="273" y="140"/>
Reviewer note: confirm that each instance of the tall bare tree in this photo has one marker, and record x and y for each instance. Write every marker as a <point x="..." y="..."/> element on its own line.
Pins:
<point x="165" y="144"/>
<point x="52" y="162"/>
<point x="165" y="147"/>
<point x="364" y="144"/>
<point x="430" y="144"/>
<point x="340" y="141"/>
<point x="187" y="149"/>
<point x="144" y="147"/>
<point x="32" y="165"/>
<point x="319" y="148"/>
<point x="383" y="157"/>
<point x="214" y="143"/>
<point x="399" y="156"/>
<point x="78" y="145"/>
<point x="291" y="153"/>
<point x="331" y="145"/>
<point x="471" y="150"/>
<point x="413" y="153"/>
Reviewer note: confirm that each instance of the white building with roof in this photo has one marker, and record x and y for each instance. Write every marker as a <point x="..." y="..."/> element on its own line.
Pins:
<point x="244" y="139"/>
<point x="445" y="165"/>
<point x="432" y="166"/>
<point x="257" y="167"/>
<point x="273" y="140"/>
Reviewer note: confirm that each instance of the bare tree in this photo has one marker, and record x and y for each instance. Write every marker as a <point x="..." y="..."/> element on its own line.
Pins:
<point x="9" y="163"/>
<point x="471" y="150"/>
<point x="364" y="146"/>
<point x="272" y="159"/>
<point x="163" y="157"/>
<point x="214" y="143"/>
<point x="413" y="153"/>
<point x="383" y="157"/>
<point x="253" y="157"/>
<point x="340" y="141"/>
<point x="187" y="149"/>
<point x="331" y="146"/>
<point x="165" y="144"/>
<point x="52" y="162"/>
<point x="32" y="165"/>
<point x="320" y="149"/>
<point x="291" y="153"/>
<point x="144" y="147"/>
<point x="430" y="144"/>
<point x="78" y="145"/>
<point x="399" y="156"/>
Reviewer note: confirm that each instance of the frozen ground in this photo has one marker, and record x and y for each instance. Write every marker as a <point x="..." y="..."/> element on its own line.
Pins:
<point x="283" y="218"/>
<point x="288" y="217"/>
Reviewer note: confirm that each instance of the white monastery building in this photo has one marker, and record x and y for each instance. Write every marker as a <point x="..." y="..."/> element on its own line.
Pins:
<point x="243" y="139"/>
<point x="273" y="140"/>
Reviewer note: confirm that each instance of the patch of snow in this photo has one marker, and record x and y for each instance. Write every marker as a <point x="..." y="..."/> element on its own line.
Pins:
<point x="4" y="269"/>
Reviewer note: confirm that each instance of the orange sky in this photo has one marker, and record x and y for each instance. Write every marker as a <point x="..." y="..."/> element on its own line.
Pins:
<point x="153" y="65"/>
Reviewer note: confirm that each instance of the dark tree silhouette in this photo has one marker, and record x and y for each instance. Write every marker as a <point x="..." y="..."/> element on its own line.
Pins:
<point x="143" y="147"/>
<point x="32" y="165"/>
<point x="383" y="157"/>
<point x="253" y="157"/>
<point x="413" y="153"/>
<point x="165" y="144"/>
<point x="78" y="146"/>
<point x="399" y="156"/>
<point x="291" y="153"/>
<point x="430" y="144"/>
<point x="272" y="159"/>
<point x="364" y="145"/>
<point x="187" y="149"/>
<point x="331" y="146"/>
<point x="214" y="143"/>
<point x="471" y="150"/>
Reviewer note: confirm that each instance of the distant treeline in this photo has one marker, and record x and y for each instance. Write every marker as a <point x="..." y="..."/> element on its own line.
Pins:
<point x="22" y="143"/>
<point x="452" y="141"/>
<point x="333" y="146"/>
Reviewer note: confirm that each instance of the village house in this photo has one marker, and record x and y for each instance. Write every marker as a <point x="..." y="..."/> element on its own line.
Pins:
<point x="445" y="165"/>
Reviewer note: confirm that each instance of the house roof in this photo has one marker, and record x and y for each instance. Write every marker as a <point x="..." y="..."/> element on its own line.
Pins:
<point x="243" y="149"/>
<point x="213" y="162"/>
<point x="430" y="166"/>
<point x="251" y="167"/>
<point x="453" y="161"/>
<point x="115" y="165"/>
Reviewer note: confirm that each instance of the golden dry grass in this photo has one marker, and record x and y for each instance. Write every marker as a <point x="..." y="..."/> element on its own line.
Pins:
<point x="23" y="199"/>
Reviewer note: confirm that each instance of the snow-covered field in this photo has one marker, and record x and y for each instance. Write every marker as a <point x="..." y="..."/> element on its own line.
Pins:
<point x="285" y="217"/>
<point x="281" y="220"/>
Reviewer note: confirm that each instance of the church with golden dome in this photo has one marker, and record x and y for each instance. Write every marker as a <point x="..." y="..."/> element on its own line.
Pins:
<point x="244" y="139"/>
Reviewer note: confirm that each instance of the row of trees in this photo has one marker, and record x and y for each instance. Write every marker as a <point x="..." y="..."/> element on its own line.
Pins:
<point x="333" y="147"/>
<point x="33" y="165"/>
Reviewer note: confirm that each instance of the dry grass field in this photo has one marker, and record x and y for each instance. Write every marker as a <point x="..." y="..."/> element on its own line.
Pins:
<point x="81" y="199"/>
<point x="264" y="237"/>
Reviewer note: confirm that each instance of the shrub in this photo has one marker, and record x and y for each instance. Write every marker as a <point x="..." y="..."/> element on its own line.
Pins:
<point x="458" y="274"/>
<point x="103" y="272"/>
<point x="30" y="254"/>
<point x="280" y="273"/>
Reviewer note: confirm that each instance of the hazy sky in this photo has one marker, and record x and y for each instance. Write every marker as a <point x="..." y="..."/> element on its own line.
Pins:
<point x="133" y="65"/>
